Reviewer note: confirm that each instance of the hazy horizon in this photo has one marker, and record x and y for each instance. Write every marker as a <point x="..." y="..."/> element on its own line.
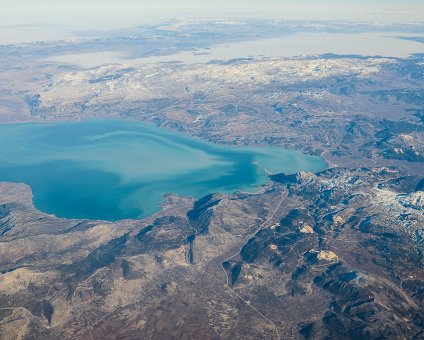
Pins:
<point x="60" y="19"/>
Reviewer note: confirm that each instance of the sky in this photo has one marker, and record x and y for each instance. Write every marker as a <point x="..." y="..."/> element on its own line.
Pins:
<point x="78" y="15"/>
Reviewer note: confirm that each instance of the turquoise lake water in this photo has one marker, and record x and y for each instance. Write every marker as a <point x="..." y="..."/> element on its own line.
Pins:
<point x="112" y="170"/>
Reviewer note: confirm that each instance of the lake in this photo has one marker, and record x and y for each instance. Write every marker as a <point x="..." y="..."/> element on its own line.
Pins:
<point x="113" y="170"/>
<point x="387" y="44"/>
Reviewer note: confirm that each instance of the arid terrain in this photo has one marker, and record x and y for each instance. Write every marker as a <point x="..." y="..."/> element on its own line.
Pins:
<point x="337" y="254"/>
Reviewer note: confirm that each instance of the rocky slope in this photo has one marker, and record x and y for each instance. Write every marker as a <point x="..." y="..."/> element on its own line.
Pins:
<point x="333" y="255"/>
<point x="336" y="254"/>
